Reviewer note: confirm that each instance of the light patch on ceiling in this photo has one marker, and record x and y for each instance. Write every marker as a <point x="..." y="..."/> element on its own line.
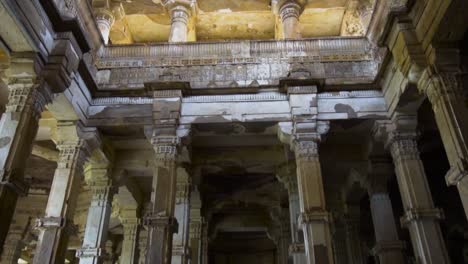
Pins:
<point x="320" y="22"/>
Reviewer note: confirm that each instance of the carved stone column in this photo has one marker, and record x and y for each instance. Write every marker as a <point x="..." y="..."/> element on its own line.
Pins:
<point x="314" y="218"/>
<point x="97" y="176"/>
<point x="57" y="224"/>
<point x="129" y="244"/>
<point x="104" y="20"/>
<point x="306" y="130"/>
<point x="180" y="246"/>
<point x="142" y="244"/>
<point x="445" y="92"/>
<point x="353" y="241"/>
<point x="289" y="12"/>
<point x="421" y="217"/>
<point x="109" y="256"/>
<point x="12" y="248"/>
<point x="196" y="224"/>
<point x="180" y="12"/>
<point x="18" y="127"/>
<point x="204" y="246"/>
<point x="287" y="175"/>
<point x="388" y="248"/>
<point x="161" y="222"/>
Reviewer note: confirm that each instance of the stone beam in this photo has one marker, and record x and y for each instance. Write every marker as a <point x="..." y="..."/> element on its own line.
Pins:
<point x="267" y="106"/>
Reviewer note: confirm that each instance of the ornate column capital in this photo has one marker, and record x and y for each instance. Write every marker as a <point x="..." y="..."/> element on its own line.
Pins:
<point x="417" y="214"/>
<point x="161" y="222"/>
<point x="314" y="216"/>
<point x="386" y="246"/>
<point x="290" y="8"/>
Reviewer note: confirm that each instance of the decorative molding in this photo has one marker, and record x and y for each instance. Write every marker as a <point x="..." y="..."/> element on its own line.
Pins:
<point x="233" y="53"/>
<point x="421" y="214"/>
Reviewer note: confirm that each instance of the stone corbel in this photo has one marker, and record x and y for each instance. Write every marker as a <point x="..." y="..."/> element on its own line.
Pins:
<point x="63" y="61"/>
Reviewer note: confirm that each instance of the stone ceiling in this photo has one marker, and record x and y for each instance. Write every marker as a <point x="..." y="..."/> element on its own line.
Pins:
<point x="146" y="21"/>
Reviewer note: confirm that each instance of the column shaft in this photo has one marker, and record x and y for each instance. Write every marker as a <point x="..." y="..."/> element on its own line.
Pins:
<point x="161" y="221"/>
<point x="389" y="249"/>
<point x="421" y="217"/>
<point x="289" y="14"/>
<point x="353" y="241"/>
<point x="446" y="95"/>
<point x="129" y="244"/>
<point x="196" y="226"/>
<point x="180" y="246"/>
<point x="98" y="216"/>
<point x="314" y="218"/>
<point x="57" y="224"/>
<point x="104" y="19"/>
<point x="18" y="127"/>
<point x="12" y="248"/>
<point x="179" y="21"/>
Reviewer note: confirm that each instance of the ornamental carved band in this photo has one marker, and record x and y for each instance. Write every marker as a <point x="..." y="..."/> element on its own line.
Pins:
<point x="165" y="148"/>
<point x="443" y="87"/>
<point x="404" y="146"/>
<point x="289" y="10"/>
<point x="315" y="216"/>
<point x="306" y="150"/>
<point x="71" y="153"/>
<point x="419" y="214"/>
<point x="89" y="252"/>
<point x="25" y="96"/>
<point x="296" y="248"/>
<point x="50" y="223"/>
<point x="179" y="14"/>
<point x="161" y="222"/>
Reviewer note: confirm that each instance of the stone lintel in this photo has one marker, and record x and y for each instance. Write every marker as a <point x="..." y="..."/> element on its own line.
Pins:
<point x="421" y="214"/>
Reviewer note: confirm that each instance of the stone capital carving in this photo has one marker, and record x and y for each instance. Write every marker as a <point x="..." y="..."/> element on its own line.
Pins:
<point x="290" y="9"/>
<point x="104" y="15"/>
<point x="296" y="248"/>
<point x="161" y="222"/>
<point x="286" y="174"/>
<point x="418" y="214"/>
<point x="314" y="216"/>
<point x="89" y="252"/>
<point x="165" y="148"/>
<point x="386" y="246"/>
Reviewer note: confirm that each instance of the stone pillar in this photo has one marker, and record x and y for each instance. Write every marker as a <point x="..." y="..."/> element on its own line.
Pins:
<point x="353" y="241"/>
<point x="314" y="218"/>
<point x="289" y="13"/>
<point x="57" y="224"/>
<point x="129" y="244"/>
<point x="12" y="248"/>
<point x="306" y="130"/>
<point x="104" y="20"/>
<point x="388" y="248"/>
<point x="160" y="221"/>
<point x="196" y="224"/>
<point x="180" y="12"/>
<point x="109" y="256"/>
<point x="180" y="244"/>
<point x="97" y="176"/>
<point x="421" y="217"/>
<point x="204" y="246"/>
<point x="287" y="175"/>
<point x="142" y="242"/>
<point x="27" y="97"/>
<point x="445" y="92"/>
